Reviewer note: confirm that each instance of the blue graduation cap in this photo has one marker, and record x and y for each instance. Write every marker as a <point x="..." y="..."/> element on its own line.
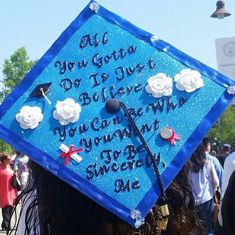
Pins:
<point x="124" y="112"/>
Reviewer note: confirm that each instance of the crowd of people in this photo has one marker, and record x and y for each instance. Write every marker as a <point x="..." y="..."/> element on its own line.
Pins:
<point x="52" y="207"/>
<point x="212" y="182"/>
<point x="12" y="167"/>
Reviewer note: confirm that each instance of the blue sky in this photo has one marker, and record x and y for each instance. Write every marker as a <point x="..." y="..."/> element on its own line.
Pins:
<point x="187" y="25"/>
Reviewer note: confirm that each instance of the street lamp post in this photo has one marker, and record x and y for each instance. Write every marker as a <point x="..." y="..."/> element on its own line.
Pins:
<point x="220" y="11"/>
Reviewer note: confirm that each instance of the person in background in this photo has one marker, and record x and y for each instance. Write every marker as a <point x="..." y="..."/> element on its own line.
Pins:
<point x="21" y="168"/>
<point x="206" y="147"/>
<point x="50" y="206"/>
<point x="225" y="151"/>
<point x="229" y="168"/>
<point x="7" y="193"/>
<point x="228" y="209"/>
<point x="204" y="181"/>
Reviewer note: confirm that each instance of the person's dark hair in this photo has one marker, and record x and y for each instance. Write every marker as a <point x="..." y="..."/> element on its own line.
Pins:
<point x="198" y="159"/>
<point x="205" y="141"/>
<point x="60" y="209"/>
<point x="3" y="156"/>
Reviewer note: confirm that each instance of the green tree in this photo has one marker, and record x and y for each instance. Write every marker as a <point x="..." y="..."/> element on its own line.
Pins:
<point x="14" y="70"/>
<point x="224" y="129"/>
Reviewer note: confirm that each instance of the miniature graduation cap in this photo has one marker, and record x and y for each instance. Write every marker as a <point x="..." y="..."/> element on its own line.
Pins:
<point x="127" y="111"/>
<point x="42" y="90"/>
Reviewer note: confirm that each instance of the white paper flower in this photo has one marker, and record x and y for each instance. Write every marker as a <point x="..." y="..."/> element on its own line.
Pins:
<point x="135" y="214"/>
<point x="231" y="90"/>
<point x="94" y="6"/>
<point x="67" y="111"/>
<point x="159" y="85"/>
<point x="188" y="80"/>
<point x="139" y="222"/>
<point x="29" y="117"/>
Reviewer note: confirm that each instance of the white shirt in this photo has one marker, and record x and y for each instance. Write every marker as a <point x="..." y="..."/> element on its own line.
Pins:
<point x="229" y="167"/>
<point x="204" y="183"/>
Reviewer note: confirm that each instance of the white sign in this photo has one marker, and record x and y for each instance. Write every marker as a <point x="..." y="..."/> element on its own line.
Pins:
<point x="225" y="53"/>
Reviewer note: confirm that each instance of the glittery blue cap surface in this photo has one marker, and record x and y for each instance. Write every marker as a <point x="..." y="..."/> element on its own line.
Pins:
<point x="99" y="57"/>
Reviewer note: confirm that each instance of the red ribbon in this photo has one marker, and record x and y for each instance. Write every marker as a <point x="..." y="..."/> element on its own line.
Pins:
<point x="173" y="137"/>
<point x="71" y="151"/>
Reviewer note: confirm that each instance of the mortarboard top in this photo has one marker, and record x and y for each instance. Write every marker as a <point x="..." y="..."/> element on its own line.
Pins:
<point x="41" y="89"/>
<point x="108" y="78"/>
